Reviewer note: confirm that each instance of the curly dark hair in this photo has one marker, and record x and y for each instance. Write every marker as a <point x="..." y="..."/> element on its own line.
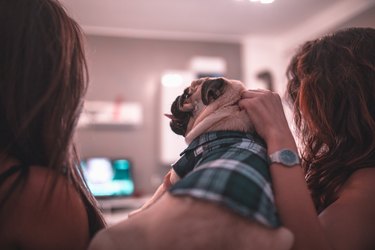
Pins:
<point x="331" y="86"/>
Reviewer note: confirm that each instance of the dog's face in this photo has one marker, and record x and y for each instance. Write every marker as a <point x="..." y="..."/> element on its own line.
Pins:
<point x="193" y="104"/>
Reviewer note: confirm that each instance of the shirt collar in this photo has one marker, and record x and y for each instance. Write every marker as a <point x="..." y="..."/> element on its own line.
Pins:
<point x="221" y="136"/>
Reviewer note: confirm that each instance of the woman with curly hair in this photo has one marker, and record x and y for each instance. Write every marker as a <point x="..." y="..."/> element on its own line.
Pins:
<point x="331" y="87"/>
<point x="44" y="203"/>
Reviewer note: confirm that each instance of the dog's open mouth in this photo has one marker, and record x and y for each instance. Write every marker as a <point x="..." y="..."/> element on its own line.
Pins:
<point x="179" y="119"/>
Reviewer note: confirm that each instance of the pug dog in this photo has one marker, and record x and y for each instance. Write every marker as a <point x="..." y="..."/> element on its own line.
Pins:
<point x="168" y="221"/>
<point x="209" y="104"/>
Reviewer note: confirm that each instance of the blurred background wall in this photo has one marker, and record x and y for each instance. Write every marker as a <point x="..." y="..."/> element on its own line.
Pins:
<point x="125" y="68"/>
<point x="130" y="70"/>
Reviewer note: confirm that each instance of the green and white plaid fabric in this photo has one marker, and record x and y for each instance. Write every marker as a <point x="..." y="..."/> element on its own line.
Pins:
<point x="229" y="168"/>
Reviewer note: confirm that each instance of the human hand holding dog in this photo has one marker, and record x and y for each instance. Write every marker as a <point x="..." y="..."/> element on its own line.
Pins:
<point x="266" y="112"/>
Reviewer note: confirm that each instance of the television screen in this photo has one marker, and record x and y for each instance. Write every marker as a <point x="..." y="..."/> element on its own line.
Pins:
<point x="107" y="177"/>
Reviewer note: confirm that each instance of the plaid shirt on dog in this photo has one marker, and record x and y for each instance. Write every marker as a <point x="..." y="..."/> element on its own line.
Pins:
<point x="229" y="168"/>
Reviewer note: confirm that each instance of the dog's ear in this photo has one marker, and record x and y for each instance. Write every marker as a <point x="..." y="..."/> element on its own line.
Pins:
<point x="212" y="89"/>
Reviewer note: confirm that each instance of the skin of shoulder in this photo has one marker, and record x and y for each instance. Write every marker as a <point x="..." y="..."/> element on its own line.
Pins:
<point x="350" y="221"/>
<point x="190" y="224"/>
<point x="35" y="218"/>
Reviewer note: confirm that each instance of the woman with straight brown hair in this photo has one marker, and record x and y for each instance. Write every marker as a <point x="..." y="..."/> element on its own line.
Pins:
<point x="44" y="202"/>
<point x="332" y="91"/>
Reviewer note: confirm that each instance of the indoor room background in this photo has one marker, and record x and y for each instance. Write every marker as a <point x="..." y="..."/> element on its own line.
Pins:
<point x="127" y="68"/>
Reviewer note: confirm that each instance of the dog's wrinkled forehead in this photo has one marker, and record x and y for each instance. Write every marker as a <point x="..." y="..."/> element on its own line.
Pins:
<point x="201" y="93"/>
<point x="208" y="89"/>
<point x="195" y="84"/>
<point x="204" y="90"/>
<point x="195" y="88"/>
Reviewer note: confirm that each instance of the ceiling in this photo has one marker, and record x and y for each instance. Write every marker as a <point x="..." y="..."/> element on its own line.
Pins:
<point x="205" y="19"/>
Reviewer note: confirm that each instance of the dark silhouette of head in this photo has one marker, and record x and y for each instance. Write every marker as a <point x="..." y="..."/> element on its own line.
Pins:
<point x="43" y="79"/>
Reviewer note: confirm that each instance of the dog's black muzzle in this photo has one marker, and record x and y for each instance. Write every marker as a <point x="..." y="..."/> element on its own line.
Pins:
<point x="180" y="118"/>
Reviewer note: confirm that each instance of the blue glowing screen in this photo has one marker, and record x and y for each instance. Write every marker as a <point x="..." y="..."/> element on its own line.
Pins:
<point x="108" y="177"/>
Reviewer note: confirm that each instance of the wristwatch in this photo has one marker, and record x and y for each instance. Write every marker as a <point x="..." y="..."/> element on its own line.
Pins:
<point x="286" y="157"/>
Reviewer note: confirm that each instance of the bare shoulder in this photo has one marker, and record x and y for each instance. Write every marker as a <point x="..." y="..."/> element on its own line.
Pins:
<point x="187" y="223"/>
<point x="102" y="240"/>
<point x="353" y="214"/>
<point x="47" y="212"/>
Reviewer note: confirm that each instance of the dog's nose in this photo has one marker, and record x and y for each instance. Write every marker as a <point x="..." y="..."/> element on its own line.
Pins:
<point x="176" y="108"/>
<point x="180" y="118"/>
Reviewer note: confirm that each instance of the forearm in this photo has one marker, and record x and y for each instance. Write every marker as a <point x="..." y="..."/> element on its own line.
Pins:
<point x="293" y="200"/>
<point x="292" y="196"/>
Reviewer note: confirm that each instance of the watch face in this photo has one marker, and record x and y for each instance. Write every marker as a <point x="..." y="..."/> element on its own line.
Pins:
<point x="288" y="156"/>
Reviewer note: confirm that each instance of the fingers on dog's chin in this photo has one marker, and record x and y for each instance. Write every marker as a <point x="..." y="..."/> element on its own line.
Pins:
<point x="241" y="104"/>
<point x="254" y="92"/>
<point x="247" y="94"/>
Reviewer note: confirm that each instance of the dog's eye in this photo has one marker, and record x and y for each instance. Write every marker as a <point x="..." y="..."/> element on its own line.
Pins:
<point x="186" y="94"/>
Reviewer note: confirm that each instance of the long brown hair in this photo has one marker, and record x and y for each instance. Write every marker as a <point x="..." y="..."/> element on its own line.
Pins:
<point x="331" y="85"/>
<point x="43" y="79"/>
